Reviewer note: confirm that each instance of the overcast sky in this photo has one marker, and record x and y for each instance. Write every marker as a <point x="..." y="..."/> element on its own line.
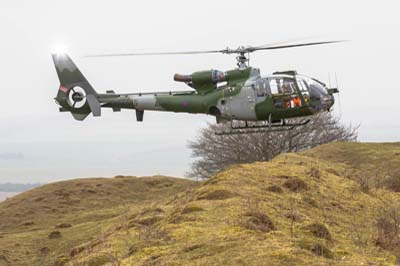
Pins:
<point x="38" y="144"/>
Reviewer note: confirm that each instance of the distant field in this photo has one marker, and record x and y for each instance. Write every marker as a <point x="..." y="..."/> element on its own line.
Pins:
<point x="4" y="195"/>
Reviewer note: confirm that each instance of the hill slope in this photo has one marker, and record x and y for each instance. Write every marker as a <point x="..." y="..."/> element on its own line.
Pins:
<point x="40" y="225"/>
<point x="308" y="208"/>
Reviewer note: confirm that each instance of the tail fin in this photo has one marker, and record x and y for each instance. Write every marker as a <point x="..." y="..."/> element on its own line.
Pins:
<point x="75" y="93"/>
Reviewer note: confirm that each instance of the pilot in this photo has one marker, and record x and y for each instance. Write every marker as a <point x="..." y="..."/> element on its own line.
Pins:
<point x="285" y="88"/>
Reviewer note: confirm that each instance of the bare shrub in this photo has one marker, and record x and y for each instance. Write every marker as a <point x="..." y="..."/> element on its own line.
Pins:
<point x="216" y="152"/>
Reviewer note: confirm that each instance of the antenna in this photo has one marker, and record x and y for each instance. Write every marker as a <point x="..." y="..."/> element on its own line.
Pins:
<point x="329" y="80"/>
<point x="340" y="106"/>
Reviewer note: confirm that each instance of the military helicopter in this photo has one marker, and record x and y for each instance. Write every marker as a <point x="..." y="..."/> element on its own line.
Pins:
<point x="240" y="94"/>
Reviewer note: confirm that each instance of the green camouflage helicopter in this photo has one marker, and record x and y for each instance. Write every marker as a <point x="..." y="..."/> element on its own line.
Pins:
<point x="241" y="94"/>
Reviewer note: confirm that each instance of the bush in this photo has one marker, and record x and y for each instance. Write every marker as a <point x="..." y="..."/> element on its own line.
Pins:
<point x="214" y="152"/>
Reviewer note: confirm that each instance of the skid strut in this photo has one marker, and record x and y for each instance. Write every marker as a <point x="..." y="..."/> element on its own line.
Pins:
<point x="264" y="126"/>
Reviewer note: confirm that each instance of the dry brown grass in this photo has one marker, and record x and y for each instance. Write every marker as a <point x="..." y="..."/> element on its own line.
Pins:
<point x="316" y="218"/>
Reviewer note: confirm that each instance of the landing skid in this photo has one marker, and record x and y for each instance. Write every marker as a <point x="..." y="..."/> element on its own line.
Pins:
<point x="258" y="127"/>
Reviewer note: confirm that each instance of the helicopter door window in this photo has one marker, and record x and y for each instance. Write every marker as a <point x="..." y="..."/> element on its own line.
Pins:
<point x="287" y="86"/>
<point x="282" y="86"/>
<point x="260" y="88"/>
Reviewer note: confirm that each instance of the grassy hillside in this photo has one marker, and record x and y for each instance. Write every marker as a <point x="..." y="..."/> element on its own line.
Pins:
<point x="318" y="207"/>
<point x="40" y="226"/>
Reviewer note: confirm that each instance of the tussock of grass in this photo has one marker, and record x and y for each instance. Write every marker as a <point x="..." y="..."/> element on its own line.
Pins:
<point x="191" y="208"/>
<point x="318" y="249"/>
<point x="100" y="260"/>
<point x="295" y="184"/>
<point x="258" y="221"/>
<point x="319" y="230"/>
<point x="55" y="235"/>
<point x="63" y="225"/>
<point x="219" y="194"/>
<point x="275" y="189"/>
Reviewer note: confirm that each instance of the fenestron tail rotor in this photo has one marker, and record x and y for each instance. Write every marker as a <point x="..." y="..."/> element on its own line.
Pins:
<point x="241" y="51"/>
<point x="77" y="97"/>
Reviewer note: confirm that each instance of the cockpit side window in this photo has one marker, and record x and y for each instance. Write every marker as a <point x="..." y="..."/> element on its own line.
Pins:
<point x="274" y="86"/>
<point x="282" y="86"/>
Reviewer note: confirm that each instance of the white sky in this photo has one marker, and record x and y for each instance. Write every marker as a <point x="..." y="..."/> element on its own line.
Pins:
<point x="54" y="146"/>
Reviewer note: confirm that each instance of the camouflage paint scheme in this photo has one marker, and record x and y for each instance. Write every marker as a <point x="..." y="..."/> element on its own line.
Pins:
<point x="239" y="94"/>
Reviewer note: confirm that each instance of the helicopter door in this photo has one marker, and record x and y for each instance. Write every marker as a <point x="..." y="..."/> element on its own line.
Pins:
<point x="242" y="105"/>
<point x="303" y="89"/>
<point x="284" y="93"/>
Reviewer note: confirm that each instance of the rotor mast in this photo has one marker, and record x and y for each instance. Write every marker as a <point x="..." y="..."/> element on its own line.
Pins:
<point x="242" y="61"/>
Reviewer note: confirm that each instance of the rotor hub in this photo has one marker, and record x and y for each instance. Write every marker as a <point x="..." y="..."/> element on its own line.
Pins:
<point x="77" y="97"/>
<point x="242" y="60"/>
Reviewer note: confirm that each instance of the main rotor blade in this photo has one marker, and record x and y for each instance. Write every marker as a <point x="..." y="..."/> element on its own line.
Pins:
<point x="284" y="42"/>
<point x="156" y="53"/>
<point x="240" y="50"/>
<point x="252" y="49"/>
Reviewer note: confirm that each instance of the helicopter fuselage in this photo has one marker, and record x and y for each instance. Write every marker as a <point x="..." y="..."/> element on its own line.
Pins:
<point x="239" y="94"/>
<point x="250" y="97"/>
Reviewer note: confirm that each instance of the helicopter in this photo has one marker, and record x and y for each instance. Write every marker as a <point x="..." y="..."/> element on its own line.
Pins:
<point x="241" y="94"/>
